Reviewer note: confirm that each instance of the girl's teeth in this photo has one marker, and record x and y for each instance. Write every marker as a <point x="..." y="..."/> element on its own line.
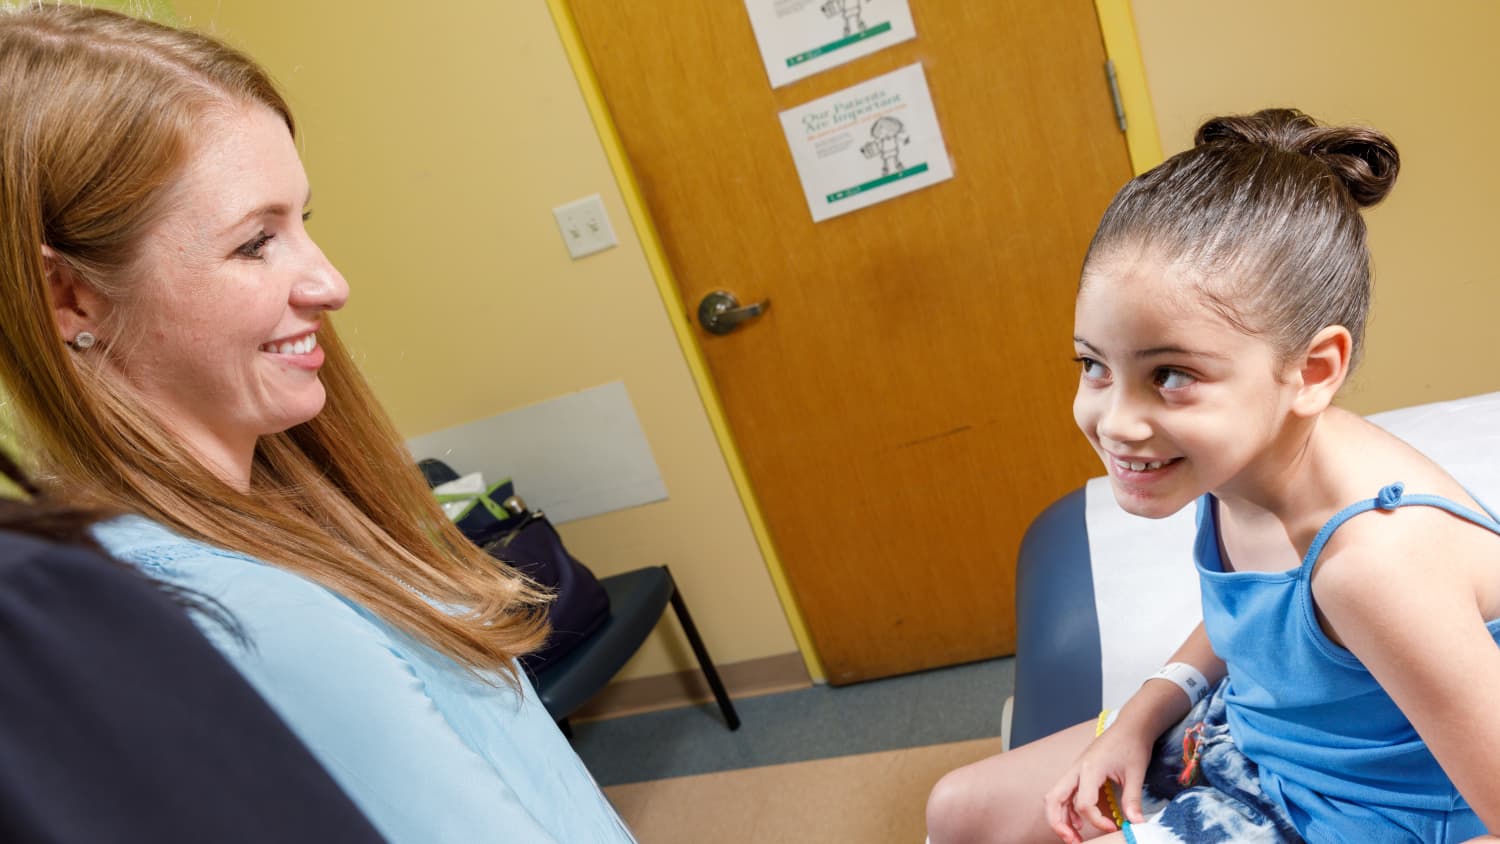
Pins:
<point x="1137" y="466"/>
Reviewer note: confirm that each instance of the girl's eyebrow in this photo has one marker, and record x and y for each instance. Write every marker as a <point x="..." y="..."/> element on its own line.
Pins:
<point x="1082" y="342"/>
<point x="1157" y="351"/>
<point x="1178" y="350"/>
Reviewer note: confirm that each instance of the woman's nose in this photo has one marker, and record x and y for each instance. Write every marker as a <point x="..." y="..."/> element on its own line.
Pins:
<point x="320" y="286"/>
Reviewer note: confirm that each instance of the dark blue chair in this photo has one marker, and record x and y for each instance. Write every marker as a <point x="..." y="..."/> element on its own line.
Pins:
<point x="637" y="600"/>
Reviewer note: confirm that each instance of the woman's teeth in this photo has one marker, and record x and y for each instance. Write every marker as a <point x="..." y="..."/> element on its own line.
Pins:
<point x="300" y="346"/>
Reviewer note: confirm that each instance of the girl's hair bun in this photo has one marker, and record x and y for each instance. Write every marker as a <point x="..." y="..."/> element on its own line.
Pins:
<point x="1363" y="159"/>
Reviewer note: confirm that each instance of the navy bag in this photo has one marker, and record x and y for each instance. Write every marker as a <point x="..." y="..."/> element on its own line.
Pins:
<point x="501" y="524"/>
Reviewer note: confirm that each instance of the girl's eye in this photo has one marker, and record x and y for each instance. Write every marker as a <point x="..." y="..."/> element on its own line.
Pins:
<point x="1092" y="370"/>
<point x="252" y="247"/>
<point x="1173" y="379"/>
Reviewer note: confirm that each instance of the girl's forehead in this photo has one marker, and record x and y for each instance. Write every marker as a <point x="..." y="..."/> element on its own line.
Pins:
<point x="1142" y="300"/>
<point x="1167" y="286"/>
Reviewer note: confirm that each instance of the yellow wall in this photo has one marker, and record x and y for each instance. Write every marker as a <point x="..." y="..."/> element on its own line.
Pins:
<point x="437" y="143"/>
<point x="1422" y="73"/>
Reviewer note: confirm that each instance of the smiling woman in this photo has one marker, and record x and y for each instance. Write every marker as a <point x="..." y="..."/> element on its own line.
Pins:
<point x="170" y="355"/>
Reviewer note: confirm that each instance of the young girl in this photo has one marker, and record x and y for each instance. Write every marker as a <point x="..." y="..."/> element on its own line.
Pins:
<point x="1343" y="684"/>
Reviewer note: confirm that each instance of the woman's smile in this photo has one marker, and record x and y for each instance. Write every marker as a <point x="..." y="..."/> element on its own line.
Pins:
<point x="301" y="351"/>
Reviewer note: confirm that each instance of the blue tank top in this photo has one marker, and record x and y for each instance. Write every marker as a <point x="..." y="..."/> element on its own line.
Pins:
<point x="1333" y="748"/>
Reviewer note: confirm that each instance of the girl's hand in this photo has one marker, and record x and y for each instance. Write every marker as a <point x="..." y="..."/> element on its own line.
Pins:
<point x="1119" y="756"/>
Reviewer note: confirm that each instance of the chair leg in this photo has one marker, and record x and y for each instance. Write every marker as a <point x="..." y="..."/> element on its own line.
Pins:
<point x="566" y="727"/>
<point x="710" y="673"/>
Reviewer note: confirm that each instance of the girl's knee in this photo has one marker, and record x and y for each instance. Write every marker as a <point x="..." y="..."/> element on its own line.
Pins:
<point x="957" y="808"/>
<point x="945" y="808"/>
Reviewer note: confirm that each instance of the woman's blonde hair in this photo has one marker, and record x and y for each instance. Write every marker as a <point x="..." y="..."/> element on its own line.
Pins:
<point x="97" y="114"/>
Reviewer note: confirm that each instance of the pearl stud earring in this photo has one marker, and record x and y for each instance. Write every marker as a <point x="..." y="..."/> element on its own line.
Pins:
<point x="83" y="341"/>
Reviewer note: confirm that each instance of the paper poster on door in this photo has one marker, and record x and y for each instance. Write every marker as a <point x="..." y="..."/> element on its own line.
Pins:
<point x="801" y="37"/>
<point x="866" y="144"/>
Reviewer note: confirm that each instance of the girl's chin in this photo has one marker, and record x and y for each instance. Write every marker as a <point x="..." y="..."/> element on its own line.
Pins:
<point x="1148" y="505"/>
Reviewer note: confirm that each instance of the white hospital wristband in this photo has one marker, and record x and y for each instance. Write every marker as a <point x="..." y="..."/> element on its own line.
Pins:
<point x="1186" y="677"/>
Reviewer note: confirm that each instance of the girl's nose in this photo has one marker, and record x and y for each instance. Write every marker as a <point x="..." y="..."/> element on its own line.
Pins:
<point x="1124" y="421"/>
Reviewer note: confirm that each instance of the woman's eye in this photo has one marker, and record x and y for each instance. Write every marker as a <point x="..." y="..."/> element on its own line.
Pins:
<point x="252" y="248"/>
<point x="1092" y="370"/>
<point x="1173" y="379"/>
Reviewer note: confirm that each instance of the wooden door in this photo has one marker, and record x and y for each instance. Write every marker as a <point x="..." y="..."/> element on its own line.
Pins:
<point x="903" y="408"/>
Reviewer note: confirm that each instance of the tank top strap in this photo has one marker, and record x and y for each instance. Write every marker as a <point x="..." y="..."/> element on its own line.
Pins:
<point x="1389" y="498"/>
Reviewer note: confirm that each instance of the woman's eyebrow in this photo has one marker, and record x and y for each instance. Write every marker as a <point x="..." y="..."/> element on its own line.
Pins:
<point x="269" y="209"/>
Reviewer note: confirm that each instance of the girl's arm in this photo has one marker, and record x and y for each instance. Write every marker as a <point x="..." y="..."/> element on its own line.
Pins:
<point x="1160" y="703"/>
<point x="1408" y="608"/>
<point x="1121" y="754"/>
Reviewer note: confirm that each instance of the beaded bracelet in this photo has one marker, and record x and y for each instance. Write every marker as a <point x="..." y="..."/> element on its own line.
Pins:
<point x="1109" y="790"/>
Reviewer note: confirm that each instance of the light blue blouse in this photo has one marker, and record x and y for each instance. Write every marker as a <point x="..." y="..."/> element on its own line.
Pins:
<point x="427" y="750"/>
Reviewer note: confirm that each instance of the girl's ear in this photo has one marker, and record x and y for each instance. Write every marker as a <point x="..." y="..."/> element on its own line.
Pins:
<point x="1322" y="370"/>
<point x="76" y="306"/>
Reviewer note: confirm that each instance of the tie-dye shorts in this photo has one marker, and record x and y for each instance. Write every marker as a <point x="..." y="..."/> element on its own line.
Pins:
<point x="1225" y="802"/>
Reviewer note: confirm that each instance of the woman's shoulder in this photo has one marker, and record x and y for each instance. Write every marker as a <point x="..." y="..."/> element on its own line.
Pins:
<point x="156" y="548"/>
<point x="256" y="594"/>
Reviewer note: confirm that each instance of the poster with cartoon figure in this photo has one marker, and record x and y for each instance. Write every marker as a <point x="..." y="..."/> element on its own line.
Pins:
<point x="801" y="37"/>
<point x="868" y="143"/>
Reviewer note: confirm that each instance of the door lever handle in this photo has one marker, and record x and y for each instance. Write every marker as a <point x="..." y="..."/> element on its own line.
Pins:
<point x="720" y="312"/>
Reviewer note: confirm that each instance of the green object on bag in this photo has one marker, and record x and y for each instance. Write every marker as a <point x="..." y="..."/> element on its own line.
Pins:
<point x="485" y="499"/>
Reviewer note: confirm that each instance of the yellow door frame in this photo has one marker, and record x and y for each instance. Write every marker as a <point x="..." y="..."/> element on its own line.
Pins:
<point x="1117" y="24"/>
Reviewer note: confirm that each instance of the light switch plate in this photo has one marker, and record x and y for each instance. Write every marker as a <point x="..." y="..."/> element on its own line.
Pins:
<point x="585" y="227"/>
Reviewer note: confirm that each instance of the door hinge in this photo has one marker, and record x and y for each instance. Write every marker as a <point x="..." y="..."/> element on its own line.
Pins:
<point x="1114" y="92"/>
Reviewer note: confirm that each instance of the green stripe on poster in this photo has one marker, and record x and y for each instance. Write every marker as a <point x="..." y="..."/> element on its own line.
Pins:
<point x="875" y="183"/>
<point x="878" y="29"/>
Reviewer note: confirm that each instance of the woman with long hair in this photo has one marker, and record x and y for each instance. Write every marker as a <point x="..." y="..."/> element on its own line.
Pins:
<point x="169" y="354"/>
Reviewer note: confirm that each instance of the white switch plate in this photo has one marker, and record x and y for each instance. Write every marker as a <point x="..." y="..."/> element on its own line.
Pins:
<point x="585" y="227"/>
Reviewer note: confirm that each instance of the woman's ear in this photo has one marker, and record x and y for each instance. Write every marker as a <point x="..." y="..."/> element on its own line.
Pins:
<point x="76" y="306"/>
<point x="1322" y="370"/>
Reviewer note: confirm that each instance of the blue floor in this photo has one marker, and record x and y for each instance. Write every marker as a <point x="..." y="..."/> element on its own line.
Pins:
<point x="933" y="707"/>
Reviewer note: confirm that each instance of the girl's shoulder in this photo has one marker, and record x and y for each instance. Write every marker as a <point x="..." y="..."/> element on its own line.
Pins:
<point x="1367" y="458"/>
<point x="1406" y="528"/>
